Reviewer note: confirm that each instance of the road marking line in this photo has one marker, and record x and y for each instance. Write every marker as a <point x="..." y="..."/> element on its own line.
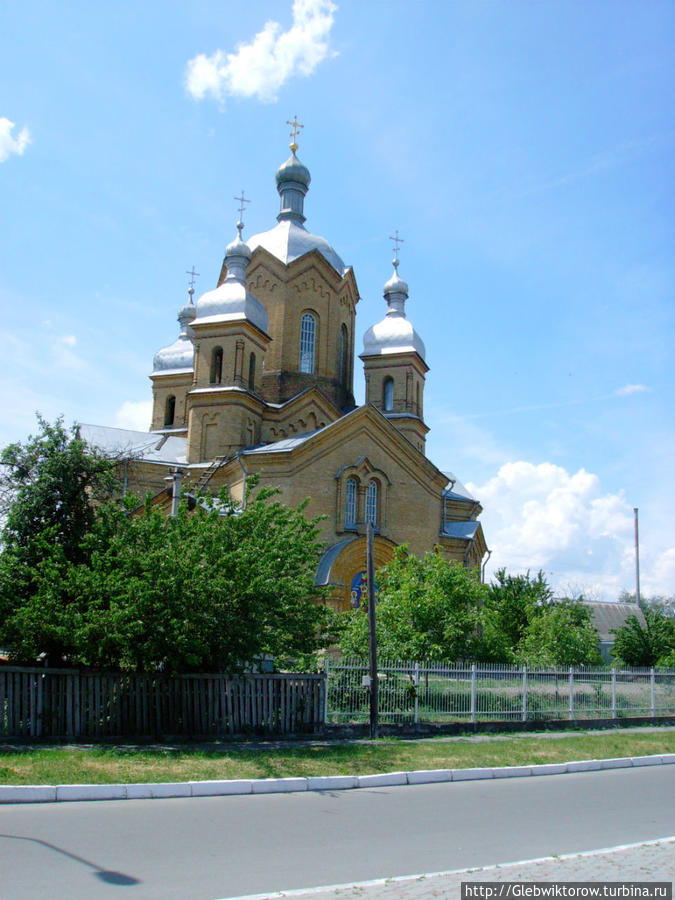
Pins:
<point x="398" y="879"/>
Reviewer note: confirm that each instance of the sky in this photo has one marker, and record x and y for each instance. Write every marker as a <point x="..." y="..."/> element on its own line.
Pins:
<point x="524" y="152"/>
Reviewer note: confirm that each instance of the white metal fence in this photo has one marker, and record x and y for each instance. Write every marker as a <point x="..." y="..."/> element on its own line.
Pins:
<point x="415" y="692"/>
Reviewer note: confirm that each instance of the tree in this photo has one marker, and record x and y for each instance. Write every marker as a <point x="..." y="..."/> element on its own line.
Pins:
<point x="512" y="603"/>
<point x="208" y="590"/>
<point x="561" y="634"/>
<point x="427" y="609"/>
<point x="657" y="603"/>
<point x="652" y="644"/>
<point x="48" y="489"/>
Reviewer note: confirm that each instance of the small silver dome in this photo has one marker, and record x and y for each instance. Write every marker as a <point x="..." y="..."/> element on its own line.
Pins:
<point x="293" y="170"/>
<point x="179" y="356"/>
<point x="394" y="334"/>
<point x="231" y="300"/>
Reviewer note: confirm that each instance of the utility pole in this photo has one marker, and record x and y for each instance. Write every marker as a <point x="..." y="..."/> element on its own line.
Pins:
<point x="637" y="558"/>
<point x="372" y="637"/>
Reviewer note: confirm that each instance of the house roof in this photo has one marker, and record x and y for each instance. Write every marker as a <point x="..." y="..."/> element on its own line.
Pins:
<point x="608" y="616"/>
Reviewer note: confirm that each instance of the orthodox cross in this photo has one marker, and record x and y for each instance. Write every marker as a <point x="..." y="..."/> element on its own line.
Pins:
<point x="397" y="240"/>
<point x="241" y="200"/>
<point x="192" y="275"/>
<point x="295" y="125"/>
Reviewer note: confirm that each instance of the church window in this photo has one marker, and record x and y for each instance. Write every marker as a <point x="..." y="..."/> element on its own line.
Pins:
<point x="388" y="393"/>
<point x="169" y="411"/>
<point x="307" y="343"/>
<point x="350" y="503"/>
<point x="217" y="365"/>
<point x="419" y="408"/>
<point x="371" y="503"/>
<point x="251" y="372"/>
<point x="343" y="362"/>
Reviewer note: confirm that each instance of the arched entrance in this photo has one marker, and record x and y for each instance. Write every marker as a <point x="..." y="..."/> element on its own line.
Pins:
<point x="342" y="569"/>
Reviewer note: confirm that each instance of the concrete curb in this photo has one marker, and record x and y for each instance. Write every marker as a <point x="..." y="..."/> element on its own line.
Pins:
<point x="63" y="793"/>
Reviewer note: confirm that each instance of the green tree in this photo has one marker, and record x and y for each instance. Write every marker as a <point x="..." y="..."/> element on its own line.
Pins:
<point x="561" y="634"/>
<point x="207" y="590"/>
<point x="650" y="644"/>
<point x="427" y="609"/>
<point x="512" y="603"/>
<point x="49" y="486"/>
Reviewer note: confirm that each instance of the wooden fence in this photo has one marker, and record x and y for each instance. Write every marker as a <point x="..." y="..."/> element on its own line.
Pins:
<point x="59" y="703"/>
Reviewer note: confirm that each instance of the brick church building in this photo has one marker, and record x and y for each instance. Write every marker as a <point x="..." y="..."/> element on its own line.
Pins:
<point x="260" y="381"/>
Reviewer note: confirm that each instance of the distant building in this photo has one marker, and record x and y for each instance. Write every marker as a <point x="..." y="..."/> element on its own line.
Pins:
<point x="260" y="381"/>
<point x="608" y="617"/>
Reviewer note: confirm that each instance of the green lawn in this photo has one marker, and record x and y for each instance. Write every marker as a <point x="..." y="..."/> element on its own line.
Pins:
<point x="101" y="765"/>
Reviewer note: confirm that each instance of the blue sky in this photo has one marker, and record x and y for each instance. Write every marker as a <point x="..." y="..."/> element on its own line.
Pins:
<point x="524" y="150"/>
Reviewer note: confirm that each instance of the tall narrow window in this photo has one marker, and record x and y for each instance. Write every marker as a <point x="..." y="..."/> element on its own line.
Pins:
<point x="388" y="393"/>
<point x="307" y="342"/>
<point x="419" y="408"/>
<point x="343" y="360"/>
<point x="350" y="503"/>
<point x="251" y="373"/>
<point x="169" y="411"/>
<point x="371" y="503"/>
<point x="217" y="365"/>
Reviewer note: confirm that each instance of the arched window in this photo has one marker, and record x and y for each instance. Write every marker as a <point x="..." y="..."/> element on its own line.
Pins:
<point x="251" y="372"/>
<point x="169" y="411"/>
<point x="388" y="394"/>
<point x="371" y="503"/>
<point x="419" y="408"/>
<point x="217" y="365"/>
<point x="350" y="503"/>
<point x="343" y="356"/>
<point x="307" y="343"/>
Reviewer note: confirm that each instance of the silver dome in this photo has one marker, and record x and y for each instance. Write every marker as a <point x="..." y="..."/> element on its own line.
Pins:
<point x="231" y="301"/>
<point x="293" y="170"/>
<point x="179" y="356"/>
<point x="288" y="241"/>
<point x="394" y="334"/>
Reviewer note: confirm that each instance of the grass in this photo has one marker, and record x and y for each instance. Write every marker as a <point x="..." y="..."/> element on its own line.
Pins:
<point x="109" y="765"/>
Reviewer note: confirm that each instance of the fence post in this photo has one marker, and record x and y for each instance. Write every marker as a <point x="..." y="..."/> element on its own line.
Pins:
<point x="571" y="693"/>
<point x="613" y="692"/>
<point x="653" y="690"/>
<point x="524" y="693"/>
<point x="473" y="692"/>
<point x="325" y="690"/>
<point x="417" y="689"/>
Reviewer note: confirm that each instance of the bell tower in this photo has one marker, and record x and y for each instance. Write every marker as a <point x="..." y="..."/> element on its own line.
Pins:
<point x="394" y="365"/>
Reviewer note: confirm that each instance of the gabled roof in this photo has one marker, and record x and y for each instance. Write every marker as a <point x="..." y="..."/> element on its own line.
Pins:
<point x="608" y="616"/>
<point x="288" y="445"/>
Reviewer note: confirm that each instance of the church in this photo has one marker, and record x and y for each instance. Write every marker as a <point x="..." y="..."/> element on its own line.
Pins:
<point x="260" y="382"/>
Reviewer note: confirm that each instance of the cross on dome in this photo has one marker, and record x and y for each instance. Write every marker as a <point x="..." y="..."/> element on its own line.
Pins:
<point x="295" y="125"/>
<point x="242" y="200"/>
<point x="397" y="240"/>
<point x="192" y="275"/>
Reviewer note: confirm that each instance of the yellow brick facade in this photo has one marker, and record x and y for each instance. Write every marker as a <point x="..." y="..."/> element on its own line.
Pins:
<point x="255" y="401"/>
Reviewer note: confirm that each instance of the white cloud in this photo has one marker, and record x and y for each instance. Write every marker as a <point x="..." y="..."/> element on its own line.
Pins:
<point x="260" y="68"/>
<point x="63" y="353"/>
<point x="135" y="415"/>
<point x="629" y="389"/>
<point x="543" y="517"/>
<point x="9" y="144"/>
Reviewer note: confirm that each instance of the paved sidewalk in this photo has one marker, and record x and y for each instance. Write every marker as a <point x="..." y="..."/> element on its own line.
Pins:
<point x="652" y="861"/>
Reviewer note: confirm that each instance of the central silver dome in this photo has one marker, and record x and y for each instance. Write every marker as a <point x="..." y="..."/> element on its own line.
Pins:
<point x="288" y="241"/>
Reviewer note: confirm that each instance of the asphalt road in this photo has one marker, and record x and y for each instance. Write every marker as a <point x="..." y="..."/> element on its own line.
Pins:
<point x="215" y="847"/>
